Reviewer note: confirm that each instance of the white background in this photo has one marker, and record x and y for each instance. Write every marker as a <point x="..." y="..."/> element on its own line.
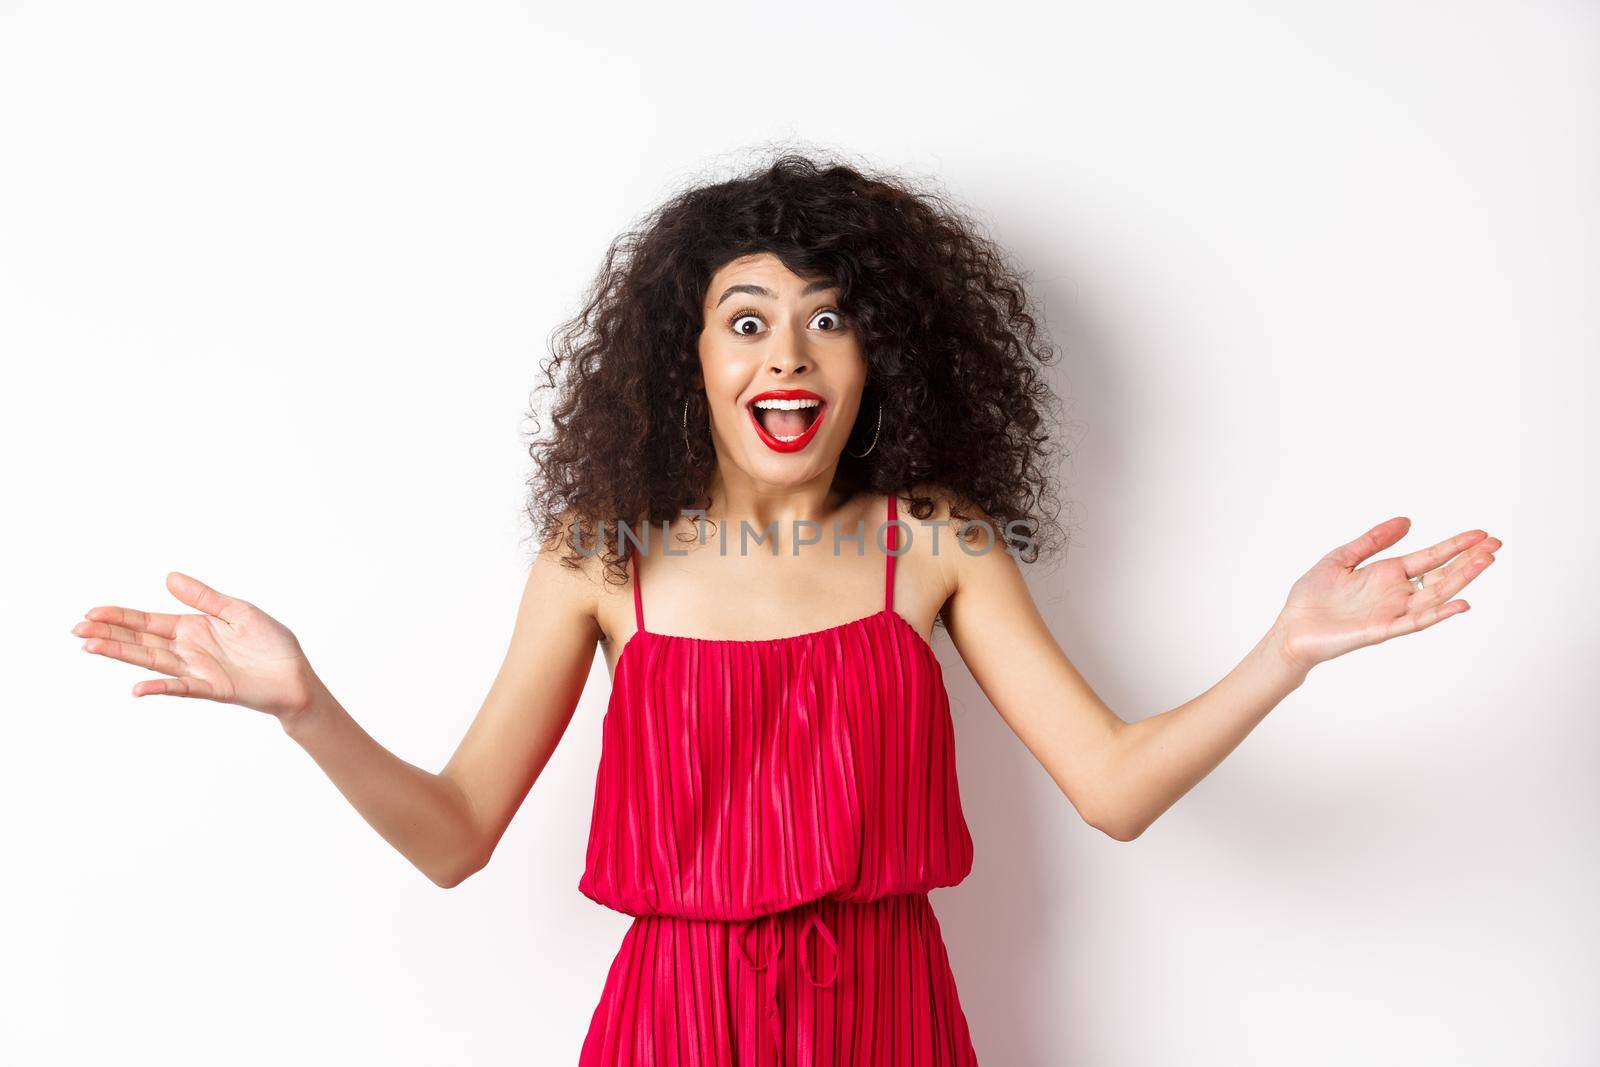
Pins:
<point x="275" y="282"/>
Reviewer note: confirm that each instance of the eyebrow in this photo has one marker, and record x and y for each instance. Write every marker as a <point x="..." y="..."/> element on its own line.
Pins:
<point x="760" y="290"/>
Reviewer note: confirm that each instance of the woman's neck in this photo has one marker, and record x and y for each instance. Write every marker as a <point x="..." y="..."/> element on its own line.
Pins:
<point x="742" y="499"/>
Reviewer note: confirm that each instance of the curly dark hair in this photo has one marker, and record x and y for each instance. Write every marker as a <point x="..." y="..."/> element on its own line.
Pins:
<point x="950" y="335"/>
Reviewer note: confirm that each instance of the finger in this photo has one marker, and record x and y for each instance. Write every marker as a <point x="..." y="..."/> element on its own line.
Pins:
<point x="174" y="687"/>
<point x="1425" y="559"/>
<point x="149" y="621"/>
<point x="1420" y="620"/>
<point x="197" y="594"/>
<point x="120" y="633"/>
<point x="1374" y="540"/>
<point x="155" y="659"/>
<point x="1446" y="582"/>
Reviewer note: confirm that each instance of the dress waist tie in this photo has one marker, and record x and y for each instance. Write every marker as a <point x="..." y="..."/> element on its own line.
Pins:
<point x="813" y="918"/>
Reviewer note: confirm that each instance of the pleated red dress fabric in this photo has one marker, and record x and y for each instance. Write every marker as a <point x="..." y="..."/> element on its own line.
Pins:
<point x="773" y="813"/>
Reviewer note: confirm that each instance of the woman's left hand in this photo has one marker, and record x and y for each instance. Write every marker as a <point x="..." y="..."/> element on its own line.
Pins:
<point x="1338" y="606"/>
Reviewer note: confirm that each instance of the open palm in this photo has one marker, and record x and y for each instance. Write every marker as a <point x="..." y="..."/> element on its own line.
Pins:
<point x="232" y="652"/>
<point x="1338" y="606"/>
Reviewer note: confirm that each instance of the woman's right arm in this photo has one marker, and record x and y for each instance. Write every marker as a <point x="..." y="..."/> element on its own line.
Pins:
<point x="447" y="824"/>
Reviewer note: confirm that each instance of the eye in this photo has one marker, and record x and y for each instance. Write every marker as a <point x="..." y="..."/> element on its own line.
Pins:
<point x="745" y="322"/>
<point x="829" y="315"/>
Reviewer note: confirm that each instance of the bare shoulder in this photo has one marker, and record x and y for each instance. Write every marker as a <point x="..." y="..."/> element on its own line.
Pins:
<point x="565" y="580"/>
<point x="964" y="543"/>
<point x="927" y="566"/>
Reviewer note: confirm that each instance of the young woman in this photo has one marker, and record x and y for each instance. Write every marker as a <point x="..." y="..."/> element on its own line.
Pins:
<point x="799" y="422"/>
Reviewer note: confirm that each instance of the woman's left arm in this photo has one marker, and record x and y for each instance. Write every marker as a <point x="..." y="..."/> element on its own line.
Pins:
<point x="1122" y="776"/>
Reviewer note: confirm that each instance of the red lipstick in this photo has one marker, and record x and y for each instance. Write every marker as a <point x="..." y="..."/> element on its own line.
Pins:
<point x="799" y="441"/>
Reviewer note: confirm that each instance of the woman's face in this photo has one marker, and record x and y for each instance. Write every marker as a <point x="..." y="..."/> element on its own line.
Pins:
<point x="783" y="371"/>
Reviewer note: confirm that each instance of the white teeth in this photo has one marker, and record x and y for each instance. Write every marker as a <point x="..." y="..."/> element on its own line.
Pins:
<point x="787" y="405"/>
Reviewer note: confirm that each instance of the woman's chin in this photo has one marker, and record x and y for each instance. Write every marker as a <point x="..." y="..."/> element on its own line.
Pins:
<point x="787" y="468"/>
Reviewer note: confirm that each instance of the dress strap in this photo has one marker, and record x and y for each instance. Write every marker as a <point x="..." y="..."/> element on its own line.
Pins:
<point x="638" y="603"/>
<point x="888" y="567"/>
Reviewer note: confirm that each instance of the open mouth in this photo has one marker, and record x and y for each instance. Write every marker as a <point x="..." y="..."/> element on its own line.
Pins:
<point x="786" y="419"/>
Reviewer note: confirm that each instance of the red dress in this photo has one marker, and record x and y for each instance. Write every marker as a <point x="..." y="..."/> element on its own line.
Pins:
<point x="773" y="813"/>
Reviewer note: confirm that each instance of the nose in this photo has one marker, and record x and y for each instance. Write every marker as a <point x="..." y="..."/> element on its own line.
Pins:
<point x="789" y="356"/>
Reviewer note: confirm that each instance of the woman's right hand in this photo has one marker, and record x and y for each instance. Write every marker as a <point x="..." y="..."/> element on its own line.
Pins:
<point x="232" y="652"/>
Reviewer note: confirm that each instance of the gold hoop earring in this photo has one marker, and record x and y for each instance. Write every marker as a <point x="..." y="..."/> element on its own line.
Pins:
<point x="876" y="430"/>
